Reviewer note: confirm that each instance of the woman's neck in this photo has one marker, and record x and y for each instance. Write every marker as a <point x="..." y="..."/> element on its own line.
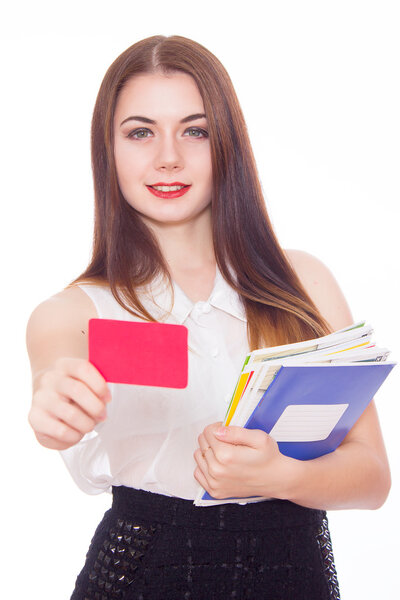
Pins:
<point x="189" y="253"/>
<point x="186" y="246"/>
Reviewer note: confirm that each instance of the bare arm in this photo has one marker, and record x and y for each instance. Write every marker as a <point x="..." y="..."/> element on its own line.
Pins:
<point x="357" y="474"/>
<point x="68" y="394"/>
<point x="246" y="463"/>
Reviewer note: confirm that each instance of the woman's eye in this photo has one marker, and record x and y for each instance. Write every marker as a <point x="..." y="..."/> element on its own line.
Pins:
<point x="196" y="132"/>
<point x="139" y="134"/>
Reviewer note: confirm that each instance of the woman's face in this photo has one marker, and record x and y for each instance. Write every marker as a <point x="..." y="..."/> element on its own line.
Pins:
<point x="161" y="143"/>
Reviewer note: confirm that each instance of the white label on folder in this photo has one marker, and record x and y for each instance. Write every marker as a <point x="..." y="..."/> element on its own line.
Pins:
<point x="307" y="422"/>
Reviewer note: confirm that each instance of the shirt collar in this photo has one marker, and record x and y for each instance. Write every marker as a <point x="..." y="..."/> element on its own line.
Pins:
<point x="160" y="305"/>
<point x="225" y="298"/>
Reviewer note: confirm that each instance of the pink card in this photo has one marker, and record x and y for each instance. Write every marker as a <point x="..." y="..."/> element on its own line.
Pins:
<point x="139" y="353"/>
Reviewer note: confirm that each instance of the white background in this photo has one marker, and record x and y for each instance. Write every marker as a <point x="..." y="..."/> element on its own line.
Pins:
<point x="319" y="86"/>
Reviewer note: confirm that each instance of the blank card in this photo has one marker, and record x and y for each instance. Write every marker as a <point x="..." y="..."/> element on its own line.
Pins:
<point x="139" y="353"/>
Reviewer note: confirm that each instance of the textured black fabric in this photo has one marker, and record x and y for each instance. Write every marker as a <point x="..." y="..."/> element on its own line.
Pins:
<point x="152" y="547"/>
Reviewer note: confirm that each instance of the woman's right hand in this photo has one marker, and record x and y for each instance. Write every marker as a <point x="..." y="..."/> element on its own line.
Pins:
<point x="69" y="400"/>
<point x="69" y="395"/>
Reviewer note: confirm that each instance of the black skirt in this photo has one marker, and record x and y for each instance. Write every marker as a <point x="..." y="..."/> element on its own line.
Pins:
<point x="153" y="547"/>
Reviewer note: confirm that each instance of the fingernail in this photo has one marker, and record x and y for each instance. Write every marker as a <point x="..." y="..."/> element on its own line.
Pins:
<point x="221" y="431"/>
<point x="103" y="415"/>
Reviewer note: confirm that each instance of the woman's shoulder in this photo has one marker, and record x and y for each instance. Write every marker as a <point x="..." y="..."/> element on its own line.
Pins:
<point x="72" y="301"/>
<point x="65" y="312"/>
<point x="308" y="267"/>
<point x="322" y="287"/>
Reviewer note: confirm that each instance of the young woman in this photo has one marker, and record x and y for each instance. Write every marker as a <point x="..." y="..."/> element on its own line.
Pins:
<point x="182" y="236"/>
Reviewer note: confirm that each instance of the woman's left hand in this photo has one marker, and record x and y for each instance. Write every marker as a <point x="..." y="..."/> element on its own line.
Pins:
<point x="237" y="462"/>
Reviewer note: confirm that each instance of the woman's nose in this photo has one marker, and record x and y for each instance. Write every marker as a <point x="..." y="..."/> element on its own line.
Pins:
<point x="168" y="156"/>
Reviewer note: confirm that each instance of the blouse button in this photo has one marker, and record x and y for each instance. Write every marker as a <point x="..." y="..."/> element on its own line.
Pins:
<point x="214" y="352"/>
<point x="206" y="307"/>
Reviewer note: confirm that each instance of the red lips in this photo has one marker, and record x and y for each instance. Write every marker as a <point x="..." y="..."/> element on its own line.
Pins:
<point x="172" y="194"/>
<point x="170" y="183"/>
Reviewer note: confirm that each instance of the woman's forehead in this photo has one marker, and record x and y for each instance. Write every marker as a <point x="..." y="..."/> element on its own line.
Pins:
<point x="160" y="95"/>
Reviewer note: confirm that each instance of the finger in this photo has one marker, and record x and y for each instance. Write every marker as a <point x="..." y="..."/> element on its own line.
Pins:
<point x="84" y="371"/>
<point x="208" y="432"/>
<point x="73" y="416"/>
<point x="240" y="436"/>
<point x="199" y="476"/>
<point x="207" y="484"/>
<point x="52" y="428"/>
<point x="203" y="444"/>
<point x="202" y="471"/>
<point x="205" y="452"/>
<point x="208" y="440"/>
<point x="82" y="395"/>
<point x="212" y="470"/>
<point x="222" y="452"/>
<point x="208" y="467"/>
<point x="216" y="455"/>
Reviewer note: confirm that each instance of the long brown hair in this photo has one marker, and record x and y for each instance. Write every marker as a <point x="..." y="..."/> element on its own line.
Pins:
<point x="125" y="252"/>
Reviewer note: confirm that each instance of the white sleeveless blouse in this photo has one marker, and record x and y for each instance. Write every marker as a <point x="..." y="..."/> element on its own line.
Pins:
<point x="150" y="434"/>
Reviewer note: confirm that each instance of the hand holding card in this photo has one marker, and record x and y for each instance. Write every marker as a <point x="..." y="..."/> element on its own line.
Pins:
<point x="139" y="353"/>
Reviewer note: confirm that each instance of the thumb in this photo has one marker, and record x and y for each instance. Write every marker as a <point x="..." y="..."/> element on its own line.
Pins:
<point x="240" y="436"/>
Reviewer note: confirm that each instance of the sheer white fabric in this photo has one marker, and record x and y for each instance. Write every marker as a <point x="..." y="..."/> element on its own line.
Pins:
<point x="150" y="435"/>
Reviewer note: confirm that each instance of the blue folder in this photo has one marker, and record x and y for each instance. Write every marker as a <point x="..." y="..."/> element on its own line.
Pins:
<point x="354" y="385"/>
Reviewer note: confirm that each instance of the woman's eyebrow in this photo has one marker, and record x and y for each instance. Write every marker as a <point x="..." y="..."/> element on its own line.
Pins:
<point x="193" y="117"/>
<point x="147" y="120"/>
